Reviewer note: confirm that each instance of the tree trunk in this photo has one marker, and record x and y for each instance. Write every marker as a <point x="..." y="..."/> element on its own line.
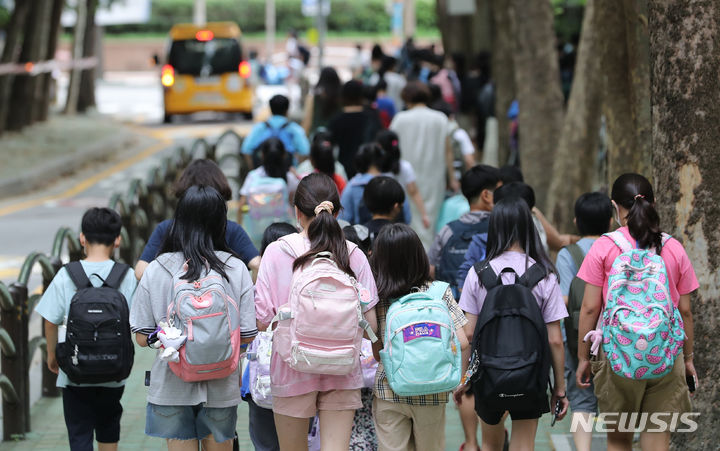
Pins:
<point x="22" y="97"/>
<point x="503" y="73"/>
<point x="37" y="82"/>
<point x="78" y="40"/>
<point x="537" y="78"/>
<point x="574" y="163"/>
<point x="86" y="97"/>
<point x="10" y="54"/>
<point x="685" y="114"/>
<point x="468" y="34"/>
<point x="47" y="79"/>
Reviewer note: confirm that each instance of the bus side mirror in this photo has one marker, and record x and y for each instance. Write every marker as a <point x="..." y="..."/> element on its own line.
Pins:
<point x="156" y="59"/>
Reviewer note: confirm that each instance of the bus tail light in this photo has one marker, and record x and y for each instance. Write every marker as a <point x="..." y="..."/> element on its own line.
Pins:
<point x="168" y="76"/>
<point x="244" y="69"/>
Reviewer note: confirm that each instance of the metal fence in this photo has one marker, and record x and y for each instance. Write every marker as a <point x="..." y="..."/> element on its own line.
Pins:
<point x="145" y="204"/>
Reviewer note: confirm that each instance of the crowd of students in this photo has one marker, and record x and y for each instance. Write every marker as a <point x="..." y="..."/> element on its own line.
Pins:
<point x="201" y="291"/>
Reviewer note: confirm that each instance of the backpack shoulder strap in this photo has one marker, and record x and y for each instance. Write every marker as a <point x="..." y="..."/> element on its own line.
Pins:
<point x="116" y="276"/>
<point x="486" y="275"/>
<point x="620" y="240"/>
<point x="77" y="275"/>
<point x="577" y="254"/>
<point x="533" y="275"/>
<point x="437" y="289"/>
<point x="284" y="125"/>
<point x="268" y="126"/>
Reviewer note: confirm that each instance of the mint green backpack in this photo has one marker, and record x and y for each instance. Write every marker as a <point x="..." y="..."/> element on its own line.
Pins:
<point x="422" y="352"/>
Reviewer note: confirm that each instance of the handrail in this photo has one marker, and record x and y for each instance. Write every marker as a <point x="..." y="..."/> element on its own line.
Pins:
<point x="6" y="344"/>
<point x="65" y="235"/>
<point x="6" y="300"/>
<point x="29" y="264"/>
<point x="9" y="394"/>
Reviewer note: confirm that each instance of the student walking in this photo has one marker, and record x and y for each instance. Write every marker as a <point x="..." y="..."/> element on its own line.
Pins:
<point x="516" y="266"/>
<point x="593" y="217"/>
<point x="196" y="299"/>
<point x="89" y="408"/>
<point x="412" y="421"/>
<point x="637" y="370"/>
<point x="298" y="386"/>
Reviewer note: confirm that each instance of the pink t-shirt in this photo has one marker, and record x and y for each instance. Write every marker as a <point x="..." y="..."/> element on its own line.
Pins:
<point x="547" y="291"/>
<point x="602" y="254"/>
<point x="272" y="290"/>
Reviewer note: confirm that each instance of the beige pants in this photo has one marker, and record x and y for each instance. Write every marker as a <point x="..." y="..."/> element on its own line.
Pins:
<point x="402" y="427"/>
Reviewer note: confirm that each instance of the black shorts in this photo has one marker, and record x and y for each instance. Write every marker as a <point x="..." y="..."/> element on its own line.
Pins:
<point x="92" y="410"/>
<point x="492" y="416"/>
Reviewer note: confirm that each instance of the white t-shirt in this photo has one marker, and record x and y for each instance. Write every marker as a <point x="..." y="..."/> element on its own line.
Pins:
<point x="290" y="178"/>
<point x="461" y="137"/>
<point x="406" y="175"/>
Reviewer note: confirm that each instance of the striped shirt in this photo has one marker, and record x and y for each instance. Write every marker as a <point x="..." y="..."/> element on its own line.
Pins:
<point x="382" y="387"/>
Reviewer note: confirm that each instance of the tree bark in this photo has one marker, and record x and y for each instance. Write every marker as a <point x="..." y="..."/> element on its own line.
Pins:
<point x="86" y="97"/>
<point x="71" y="101"/>
<point x="537" y="78"/>
<point x="10" y="54"/>
<point x="467" y="35"/>
<point x="685" y="115"/>
<point x="47" y="79"/>
<point x="22" y="97"/>
<point x="503" y="73"/>
<point x="574" y="163"/>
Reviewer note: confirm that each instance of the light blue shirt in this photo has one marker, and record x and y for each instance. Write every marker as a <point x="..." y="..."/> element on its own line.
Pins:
<point x="55" y="303"/>
<point x="259" y="131"/>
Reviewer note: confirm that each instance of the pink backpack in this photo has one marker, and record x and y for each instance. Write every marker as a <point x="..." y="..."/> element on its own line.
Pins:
<point x="321" y="327"/>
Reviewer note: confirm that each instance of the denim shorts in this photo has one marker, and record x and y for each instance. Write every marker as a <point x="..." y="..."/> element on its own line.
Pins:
<point x="191" y="422"/>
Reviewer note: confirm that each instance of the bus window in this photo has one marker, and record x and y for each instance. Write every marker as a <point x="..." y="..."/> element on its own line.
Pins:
<point x="205" y="58"/>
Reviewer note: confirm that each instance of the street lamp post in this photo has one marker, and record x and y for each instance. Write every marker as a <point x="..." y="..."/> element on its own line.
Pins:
<point x="199" y="12"/>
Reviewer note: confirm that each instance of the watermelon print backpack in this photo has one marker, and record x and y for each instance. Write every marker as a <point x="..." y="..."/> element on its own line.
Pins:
<point x="642" y="330"/>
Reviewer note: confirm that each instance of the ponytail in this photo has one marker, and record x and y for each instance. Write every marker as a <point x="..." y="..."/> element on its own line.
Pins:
<point x="634" y="193"/>
<point x="317" y="198"/>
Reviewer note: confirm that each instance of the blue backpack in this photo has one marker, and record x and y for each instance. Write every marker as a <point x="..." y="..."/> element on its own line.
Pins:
<point x="281" y="133"/>
<point x="422" y="352"/>
<point x="642" y="329"/>
<point x="452" y="254"/>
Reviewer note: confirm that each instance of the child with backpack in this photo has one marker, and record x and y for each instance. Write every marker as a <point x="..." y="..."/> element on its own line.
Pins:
<point x="402" y="171"/>
<point x="256" y="376"/>
<point x="418" y="318"/>
<point x="266" y="192"/>
<point x="195" y="301"/>
<point x="637" y="299"/>
<point x="319" y="290"/>
<point x="322" y="158"/>
<point x="513" y="305"/>
<point x="91" y="387"/>
<point x="448" y="252"/>
<point x="384" y="198"/>
<point x="593" y="217"/>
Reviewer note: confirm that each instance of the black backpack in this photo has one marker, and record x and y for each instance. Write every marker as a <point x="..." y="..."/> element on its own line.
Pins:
<point x="98" y="346"/>
<point x="575" y="297"/>
<point x="452" y="255"/>
<point x="510" y="344"/>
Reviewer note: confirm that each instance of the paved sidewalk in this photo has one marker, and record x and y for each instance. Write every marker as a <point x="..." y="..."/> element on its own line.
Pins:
<point x="49" y="433"/>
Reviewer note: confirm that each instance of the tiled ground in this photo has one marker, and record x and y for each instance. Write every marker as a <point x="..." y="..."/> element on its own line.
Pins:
<point x="49" y="427"/>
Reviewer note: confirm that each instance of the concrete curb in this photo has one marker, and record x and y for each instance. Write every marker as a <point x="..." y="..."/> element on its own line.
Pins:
<point x="46" y="173"/>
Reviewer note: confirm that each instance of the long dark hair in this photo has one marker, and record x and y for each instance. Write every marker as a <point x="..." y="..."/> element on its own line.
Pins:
<point x="511" y="222"/>
<point x="323" y="231"/>
<point x="398" y="261"/>
<point x="634" y="193"/>
<point x="203" y="172"/>
<point x="274" y="157"/>
<point x="198" y="231"/>
<point x="322" y="156"/>
<point x="390" y="142"/>
<point x="328" y="88"/>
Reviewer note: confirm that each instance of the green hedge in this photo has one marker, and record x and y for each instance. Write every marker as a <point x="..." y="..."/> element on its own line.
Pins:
<point x="346" y="15"/>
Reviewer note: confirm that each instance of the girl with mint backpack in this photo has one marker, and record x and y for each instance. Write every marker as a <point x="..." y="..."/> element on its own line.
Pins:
<point x="621" y="383"/>
<point x="401" y="268"/>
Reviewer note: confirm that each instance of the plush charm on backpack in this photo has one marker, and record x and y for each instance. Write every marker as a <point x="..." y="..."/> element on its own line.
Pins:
<point x="205" y="312"/>
<point x="510" y="346"/>
<point x="422" y="353"/>
<point x="368" y="364"/>
<point x="321" y="327"/>
<point x="642" y="330"/>
<point x="98" y="345"/>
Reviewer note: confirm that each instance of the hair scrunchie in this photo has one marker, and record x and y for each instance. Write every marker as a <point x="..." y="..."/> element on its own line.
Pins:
<point x="639" y="196"/>
<point x="325" y="205"/>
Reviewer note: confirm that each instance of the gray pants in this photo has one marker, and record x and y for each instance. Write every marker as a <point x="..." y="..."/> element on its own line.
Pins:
<point x="262" y="428"/>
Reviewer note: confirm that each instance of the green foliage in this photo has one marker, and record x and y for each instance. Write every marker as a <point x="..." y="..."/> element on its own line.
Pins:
<point x="346" y="15"/>
<point x="4" y="17"/>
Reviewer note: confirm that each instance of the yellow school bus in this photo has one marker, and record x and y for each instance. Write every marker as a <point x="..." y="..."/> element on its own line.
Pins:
<point x="204" y="70"/>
